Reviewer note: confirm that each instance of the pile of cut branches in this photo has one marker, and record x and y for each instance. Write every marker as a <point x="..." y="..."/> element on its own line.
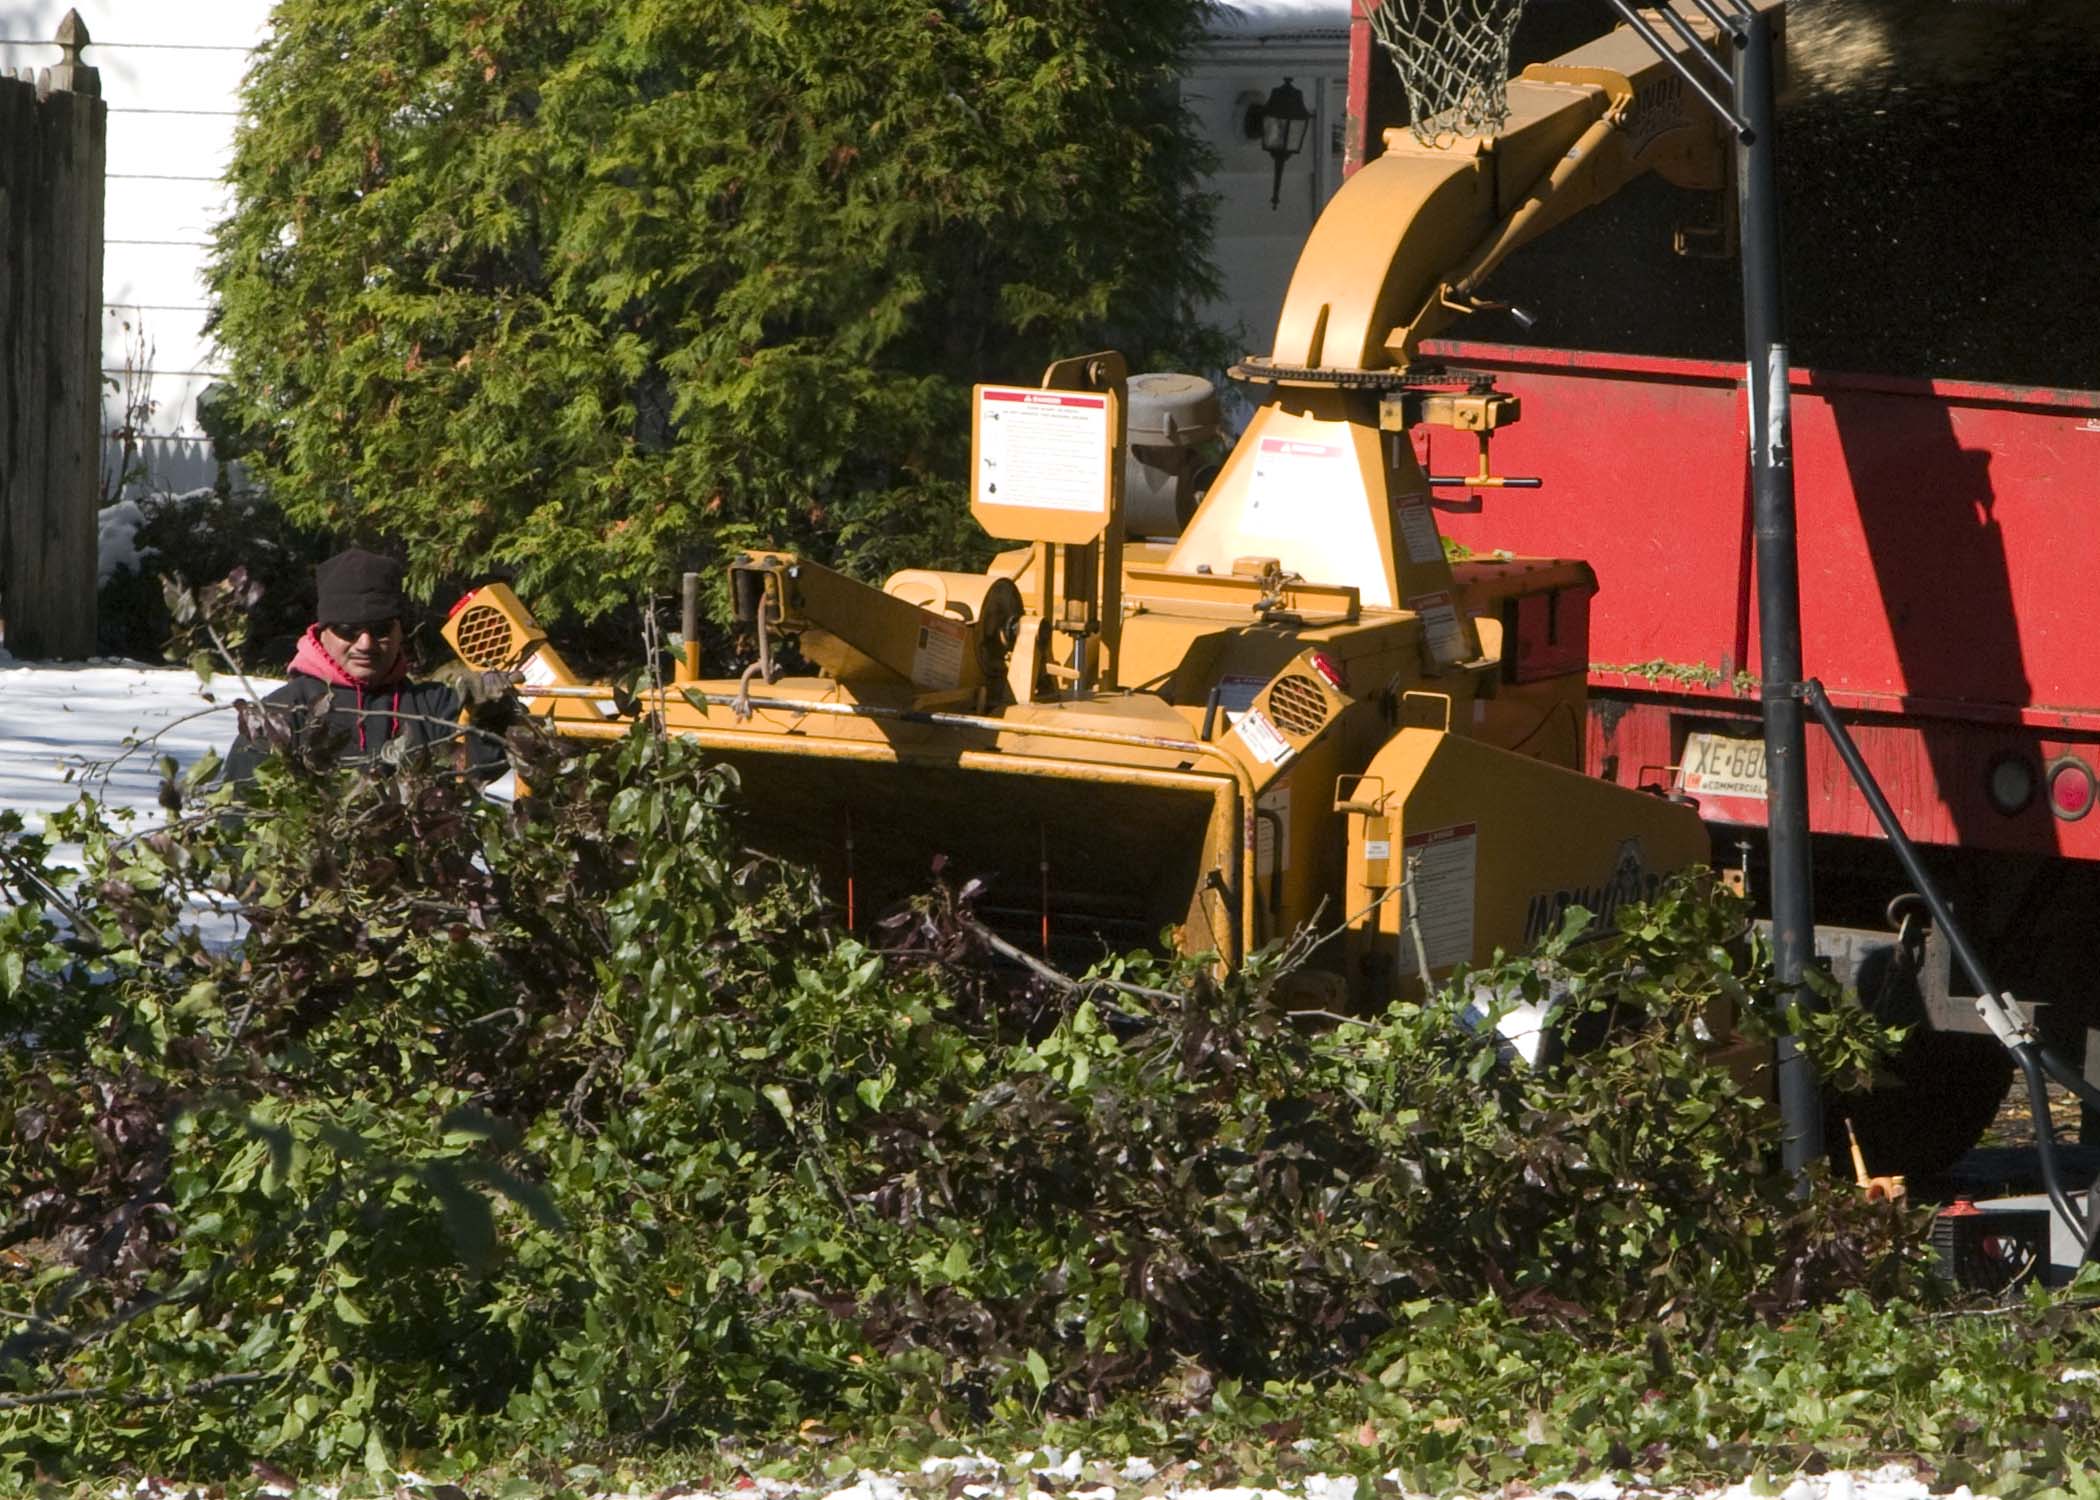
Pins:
<point x="360" y="1114"/>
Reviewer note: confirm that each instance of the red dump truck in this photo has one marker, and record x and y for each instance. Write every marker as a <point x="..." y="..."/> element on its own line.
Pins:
<point x="1949" y="565"/>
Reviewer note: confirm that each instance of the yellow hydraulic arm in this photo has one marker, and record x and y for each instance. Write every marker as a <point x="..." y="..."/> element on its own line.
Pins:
<point x="1400" y="251"/>
<point x="854" y="631"/>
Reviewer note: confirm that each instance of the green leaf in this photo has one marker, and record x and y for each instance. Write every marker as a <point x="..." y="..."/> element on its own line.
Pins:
<point x="469" y="1222"/>
<point x="377" y="1464"/>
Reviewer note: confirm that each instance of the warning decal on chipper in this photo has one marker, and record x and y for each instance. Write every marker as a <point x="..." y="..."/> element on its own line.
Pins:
<point x="937" y="660"/>
<point x="1289" y="472"/>
<point x="1045" y="449"/>
<point x="1263" y="738"/>
<point x="1436" y="902"/>
<point x="1418" y="529"/>
<point x="1441" y="630"/>
<point x="539" y="672"/>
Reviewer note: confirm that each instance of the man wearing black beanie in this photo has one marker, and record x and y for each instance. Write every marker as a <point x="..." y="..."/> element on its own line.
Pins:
<point x="350" y="679"/>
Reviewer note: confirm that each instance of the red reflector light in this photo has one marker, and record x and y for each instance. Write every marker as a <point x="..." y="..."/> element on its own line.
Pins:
<point x="1331" y="669"/>
<point x="2070" y="788"/>
<point x="461" y="602"/>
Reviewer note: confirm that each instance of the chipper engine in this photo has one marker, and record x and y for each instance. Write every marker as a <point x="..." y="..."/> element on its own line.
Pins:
<point x="1220" y="718"/>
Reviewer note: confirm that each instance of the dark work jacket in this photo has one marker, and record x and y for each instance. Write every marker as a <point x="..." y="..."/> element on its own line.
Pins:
<point x="408" y="716"/>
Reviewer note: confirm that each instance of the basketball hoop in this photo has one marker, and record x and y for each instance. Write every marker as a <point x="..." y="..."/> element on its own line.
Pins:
<point x="1453" y="60"/>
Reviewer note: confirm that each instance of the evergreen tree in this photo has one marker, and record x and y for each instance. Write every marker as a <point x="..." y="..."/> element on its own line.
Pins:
<point x="594" y="289"/>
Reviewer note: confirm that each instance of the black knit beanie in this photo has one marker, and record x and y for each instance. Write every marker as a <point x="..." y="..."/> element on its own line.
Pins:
<point x="358" y="588"/>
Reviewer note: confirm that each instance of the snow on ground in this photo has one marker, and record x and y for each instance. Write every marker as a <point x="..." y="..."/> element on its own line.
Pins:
<point x="73" y="725"/>
<point x="976" y="1478"/>
<point x="1054" y="1477"/>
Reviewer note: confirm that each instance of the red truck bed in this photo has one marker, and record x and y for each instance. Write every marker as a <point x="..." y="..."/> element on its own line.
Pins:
<point x="1950" y="573"/>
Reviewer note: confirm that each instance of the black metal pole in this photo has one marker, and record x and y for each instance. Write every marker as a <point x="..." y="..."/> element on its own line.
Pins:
<point x="1778" y="582"/>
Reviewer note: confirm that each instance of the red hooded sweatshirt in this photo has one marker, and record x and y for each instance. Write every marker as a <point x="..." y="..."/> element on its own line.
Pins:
<point x="312" y="658"/>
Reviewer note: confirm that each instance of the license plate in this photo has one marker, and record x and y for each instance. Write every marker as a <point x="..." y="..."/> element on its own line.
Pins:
<point x="1717" y="766"/>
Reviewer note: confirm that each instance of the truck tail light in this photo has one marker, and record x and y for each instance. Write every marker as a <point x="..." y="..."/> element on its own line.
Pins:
<point x="2070" y="788"/>
<point x="2011" y="784"/>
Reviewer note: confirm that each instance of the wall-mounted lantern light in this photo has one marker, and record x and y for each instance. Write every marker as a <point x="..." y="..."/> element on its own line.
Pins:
<point x="1281" y="121"/>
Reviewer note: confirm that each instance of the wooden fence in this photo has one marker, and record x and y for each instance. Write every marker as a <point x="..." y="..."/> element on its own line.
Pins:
<point x="53" y="131"/>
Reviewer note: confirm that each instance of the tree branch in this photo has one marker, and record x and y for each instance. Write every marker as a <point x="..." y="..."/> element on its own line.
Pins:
<point x="34" y="885"/>
<point x="1057" y="978"/>
<point x="133" y="1398"/>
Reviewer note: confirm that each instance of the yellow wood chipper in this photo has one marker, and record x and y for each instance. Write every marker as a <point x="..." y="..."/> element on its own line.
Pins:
<point x="1221" y="718"/>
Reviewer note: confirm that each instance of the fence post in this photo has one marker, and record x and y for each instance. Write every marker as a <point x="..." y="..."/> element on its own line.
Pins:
<point x="53" y="148"/>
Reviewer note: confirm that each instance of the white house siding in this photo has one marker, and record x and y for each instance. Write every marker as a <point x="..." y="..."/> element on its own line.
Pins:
<point x="1255" y="45"/>
<point x="171" y="71"/>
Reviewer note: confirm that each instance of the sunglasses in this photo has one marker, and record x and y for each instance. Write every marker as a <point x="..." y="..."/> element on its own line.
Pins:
<point x="378" y="629"/>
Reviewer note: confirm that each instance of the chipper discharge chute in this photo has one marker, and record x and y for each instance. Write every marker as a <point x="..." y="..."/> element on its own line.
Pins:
<point x="1219" y="719"/>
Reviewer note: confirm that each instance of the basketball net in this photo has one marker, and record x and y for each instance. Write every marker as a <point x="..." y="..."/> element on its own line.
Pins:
<point x="1453" y="60"/>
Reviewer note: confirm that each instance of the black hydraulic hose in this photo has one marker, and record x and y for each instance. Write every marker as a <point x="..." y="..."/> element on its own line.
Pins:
<point x="2033" y="1060"/>
<point x="2045" y="1140"/>
<point x="1906" y="852"/>
<point x="2061" y="1071"/>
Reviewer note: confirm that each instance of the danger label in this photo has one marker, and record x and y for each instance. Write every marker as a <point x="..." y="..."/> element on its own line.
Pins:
<point x="937" y="660"/>
<point x="1285" y="469"/>
<point x="1263" y="738"/>
<point x="1418" y="531"/>
<point x="1436" y="902"/>
<point x="1043" y="449"/>
<point x="1441" y="630"/>
<point x="539" y="672"/>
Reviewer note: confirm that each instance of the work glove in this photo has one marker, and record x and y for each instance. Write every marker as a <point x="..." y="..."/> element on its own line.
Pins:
<point x="479" y="688"/>
<point x="490" y="703"/>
